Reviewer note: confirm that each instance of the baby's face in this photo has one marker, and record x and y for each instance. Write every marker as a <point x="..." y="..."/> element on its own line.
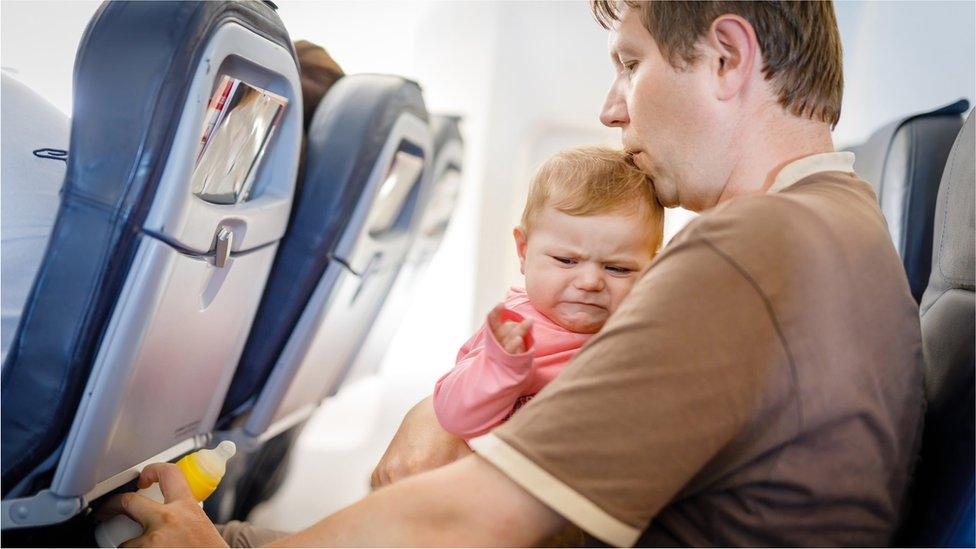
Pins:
<point x="579" y="268"/>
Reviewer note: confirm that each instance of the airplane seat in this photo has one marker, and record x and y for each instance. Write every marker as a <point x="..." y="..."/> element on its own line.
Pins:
<point x="903" y="161"/>
<point x="941" y="503"/>
<point x="367" y="151"/>
<point x="367" y="148"/>
<point x="448" y="145"/>
<point x="440" y="193"/>
<point x="267" y="468"/>
<point x="142" y="303"/>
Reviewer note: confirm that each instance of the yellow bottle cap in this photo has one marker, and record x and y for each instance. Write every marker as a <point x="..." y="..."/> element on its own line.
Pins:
<point x="204" y="469"/>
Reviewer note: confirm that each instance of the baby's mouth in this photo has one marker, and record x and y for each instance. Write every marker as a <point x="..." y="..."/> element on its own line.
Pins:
<point x="587" y="304"/>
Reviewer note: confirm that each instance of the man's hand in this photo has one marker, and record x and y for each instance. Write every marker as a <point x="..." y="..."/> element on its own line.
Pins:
<point x="511" y="335"/>
<point x="179" y="522"/>
<point x="420" y="444"/>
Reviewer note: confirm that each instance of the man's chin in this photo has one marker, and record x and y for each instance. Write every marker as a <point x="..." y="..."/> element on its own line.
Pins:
<point x="666" y="196"/>
<point x="664" y="192"/>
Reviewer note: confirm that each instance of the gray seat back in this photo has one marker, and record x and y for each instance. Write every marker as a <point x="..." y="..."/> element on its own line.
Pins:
<point x="134" y="325"/>
<point x="439" y="198"/>
<point x="941" y="505"/>
<point x="35" y="144"/>
<point x="904" y="162"/>
<point x="368" y="148"/>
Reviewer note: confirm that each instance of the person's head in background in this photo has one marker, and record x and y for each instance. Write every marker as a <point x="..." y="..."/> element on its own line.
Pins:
<point x="319" y="72"/>
<point x="590" y="228"/>
<point x="714" y="97"/>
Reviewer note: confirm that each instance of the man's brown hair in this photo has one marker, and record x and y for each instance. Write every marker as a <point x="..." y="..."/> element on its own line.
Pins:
<point x="799" y="41"/>
<point x="594" y="180"/>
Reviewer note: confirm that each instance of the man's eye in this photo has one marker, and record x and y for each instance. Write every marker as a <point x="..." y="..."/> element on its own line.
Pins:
<point x="564" y="260"/>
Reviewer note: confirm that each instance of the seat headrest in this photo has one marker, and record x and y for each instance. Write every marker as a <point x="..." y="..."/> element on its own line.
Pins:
<point x="904" y="161"/>
<point x="953" y="261"/>
<point x="875" y="154"/>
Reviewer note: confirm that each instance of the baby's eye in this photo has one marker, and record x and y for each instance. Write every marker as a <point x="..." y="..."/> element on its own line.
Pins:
<point x="618" y="270"/>
<point x="564" y="260"/>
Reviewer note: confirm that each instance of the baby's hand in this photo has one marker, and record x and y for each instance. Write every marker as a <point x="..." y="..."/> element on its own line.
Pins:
<point x="511" y="335"/>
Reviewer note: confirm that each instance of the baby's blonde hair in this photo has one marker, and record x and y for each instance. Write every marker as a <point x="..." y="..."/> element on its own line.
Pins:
<point x="594" y="180"/>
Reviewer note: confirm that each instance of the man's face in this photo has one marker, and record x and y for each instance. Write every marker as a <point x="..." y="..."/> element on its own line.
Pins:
<point x="669" y="122"/>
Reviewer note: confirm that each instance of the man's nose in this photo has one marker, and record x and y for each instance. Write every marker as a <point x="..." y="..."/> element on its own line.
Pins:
<point x="614" y="112"/>
<point x="590" y="279"/>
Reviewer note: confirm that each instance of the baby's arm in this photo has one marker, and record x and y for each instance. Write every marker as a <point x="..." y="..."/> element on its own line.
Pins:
<point x="480" y="391"/>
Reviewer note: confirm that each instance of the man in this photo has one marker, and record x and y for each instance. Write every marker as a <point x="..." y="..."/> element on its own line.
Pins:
<point x="761" y="385"/>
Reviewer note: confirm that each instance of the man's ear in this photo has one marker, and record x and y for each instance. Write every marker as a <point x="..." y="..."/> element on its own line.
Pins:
<point x="520" y="242"/>
<point x="734" y="52"/>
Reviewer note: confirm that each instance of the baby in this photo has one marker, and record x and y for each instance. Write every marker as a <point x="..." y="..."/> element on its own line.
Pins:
<point x="590" y="228"/>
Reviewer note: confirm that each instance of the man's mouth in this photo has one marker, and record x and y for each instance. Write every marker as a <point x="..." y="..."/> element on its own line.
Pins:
<point x="642" y="162"/>
<point x="634" y="154"/>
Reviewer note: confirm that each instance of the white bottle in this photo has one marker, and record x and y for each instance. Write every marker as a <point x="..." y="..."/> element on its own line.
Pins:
<point x="203" y="470"/>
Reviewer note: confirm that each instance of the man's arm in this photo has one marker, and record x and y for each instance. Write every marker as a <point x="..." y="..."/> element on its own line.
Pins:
<point x="469" y="502"/>
<point x="420" y="444"/>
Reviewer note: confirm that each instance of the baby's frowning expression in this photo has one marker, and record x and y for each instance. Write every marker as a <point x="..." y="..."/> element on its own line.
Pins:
<point x="579" y="268"/>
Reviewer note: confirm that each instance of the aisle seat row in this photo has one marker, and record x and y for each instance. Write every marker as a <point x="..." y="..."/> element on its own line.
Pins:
<point x="161" y="321"/>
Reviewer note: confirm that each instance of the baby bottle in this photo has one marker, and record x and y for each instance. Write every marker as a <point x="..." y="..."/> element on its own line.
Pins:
<point x="203" y="470"/>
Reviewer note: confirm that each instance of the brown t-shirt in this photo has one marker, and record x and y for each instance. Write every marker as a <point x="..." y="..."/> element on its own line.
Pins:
<point x="761" y="385"/>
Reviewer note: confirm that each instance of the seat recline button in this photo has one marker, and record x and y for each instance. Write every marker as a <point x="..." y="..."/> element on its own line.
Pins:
<point x="225" y="241"/>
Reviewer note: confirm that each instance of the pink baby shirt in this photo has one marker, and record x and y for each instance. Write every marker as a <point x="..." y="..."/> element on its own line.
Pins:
<point x="482" y="389"/>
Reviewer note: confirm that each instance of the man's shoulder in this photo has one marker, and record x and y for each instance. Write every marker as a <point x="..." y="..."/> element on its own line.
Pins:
<point x="829" y="207"/>
<point x="806" y="239"/>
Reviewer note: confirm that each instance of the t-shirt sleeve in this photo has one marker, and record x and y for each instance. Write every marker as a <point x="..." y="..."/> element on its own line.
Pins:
<point x="673" y="377"/>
